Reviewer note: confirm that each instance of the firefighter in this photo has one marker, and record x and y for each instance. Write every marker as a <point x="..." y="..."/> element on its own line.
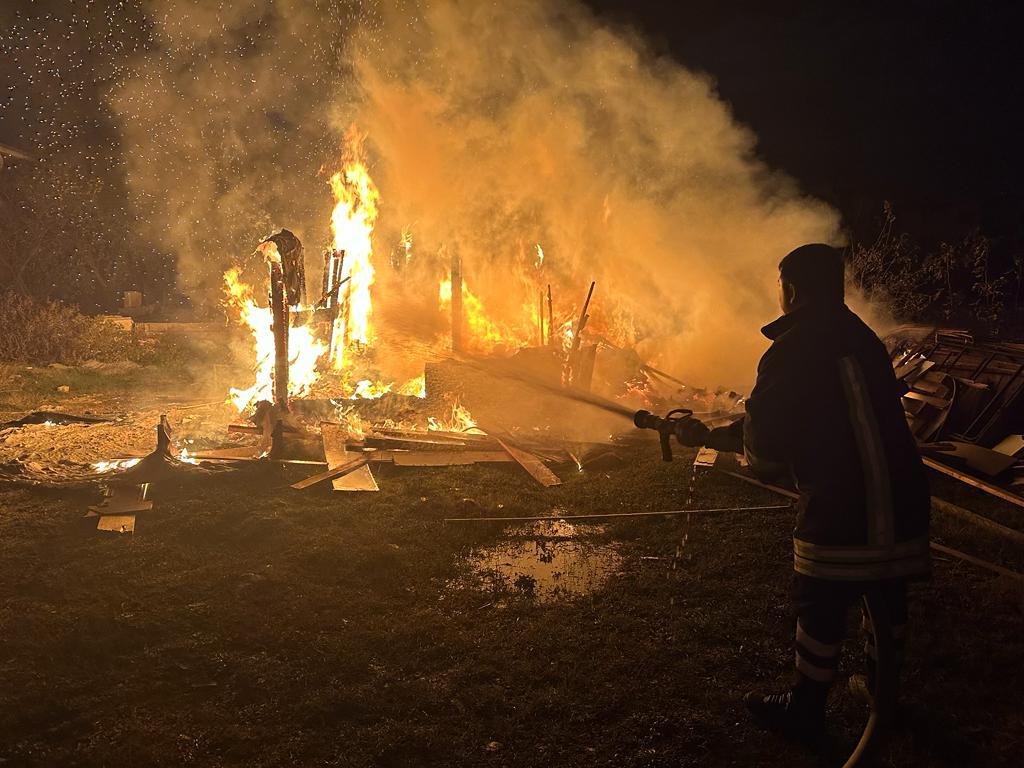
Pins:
<point x="826" y="411"/>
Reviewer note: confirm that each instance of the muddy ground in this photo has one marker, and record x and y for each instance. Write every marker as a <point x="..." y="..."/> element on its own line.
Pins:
<point x="247" y="624"/>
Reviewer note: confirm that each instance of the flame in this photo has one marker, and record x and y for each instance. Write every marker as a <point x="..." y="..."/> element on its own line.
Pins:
<point x="355" y="212"/>
<point x="406" y="244"/>
<point x="370" y="390"/>
<point x="485" y="334"/>
<point x="565" y="335"/>
<point x="459" y="420"/>
<point x="186" y="457"/>
<point x="414" y="387"/>
<point x="303" y="348"/>
<point x="540" y="257"/>
<point x="355" y="427"/>
<point x="269" y="251"/>
<point x="109" y="466"/>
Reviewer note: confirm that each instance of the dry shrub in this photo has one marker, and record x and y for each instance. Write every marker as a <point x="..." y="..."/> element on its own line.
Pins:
<point x="955" y="282"/>
<point x="44" y="332"/>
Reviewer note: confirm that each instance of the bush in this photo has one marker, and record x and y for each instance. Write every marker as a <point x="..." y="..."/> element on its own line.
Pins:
<point x="44" y="332"/>
<point x="956" y="282"/>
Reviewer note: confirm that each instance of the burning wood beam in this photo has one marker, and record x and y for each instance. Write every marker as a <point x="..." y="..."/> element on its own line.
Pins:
<point x="540" y="317"/>
<point x="279" y="308"/>
<point x="574" y="352"/>
<point x="456" y="272"/>
<point x="551" y="319"/>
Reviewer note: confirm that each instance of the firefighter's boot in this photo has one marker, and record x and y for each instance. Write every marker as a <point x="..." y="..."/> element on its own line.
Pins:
<point x="798" y="713"/>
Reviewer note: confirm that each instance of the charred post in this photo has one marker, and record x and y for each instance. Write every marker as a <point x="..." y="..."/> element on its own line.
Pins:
<point x="574" y="353"/>
<point x="279" y="313"/>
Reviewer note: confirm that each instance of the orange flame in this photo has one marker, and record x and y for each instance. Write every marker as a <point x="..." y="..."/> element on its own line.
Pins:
<point x="414" y="387"/>
<point x="485" y="334"/>
<point x="355" y="213"/>
<point x="459" y="420"/>
<point x="303" y="348"/>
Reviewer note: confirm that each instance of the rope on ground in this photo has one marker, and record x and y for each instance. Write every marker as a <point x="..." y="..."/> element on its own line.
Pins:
<point x="551" y="518"/>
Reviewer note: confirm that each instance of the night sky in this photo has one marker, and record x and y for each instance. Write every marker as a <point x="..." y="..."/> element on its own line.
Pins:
<point x="918" y="103"/>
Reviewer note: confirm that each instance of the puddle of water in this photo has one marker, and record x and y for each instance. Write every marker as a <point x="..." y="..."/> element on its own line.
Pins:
<point x="548" y="560"/>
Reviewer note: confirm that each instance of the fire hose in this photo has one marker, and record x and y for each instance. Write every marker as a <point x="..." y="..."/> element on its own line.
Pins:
<point x="680" y="423"/>
<point x="668" y="426"/>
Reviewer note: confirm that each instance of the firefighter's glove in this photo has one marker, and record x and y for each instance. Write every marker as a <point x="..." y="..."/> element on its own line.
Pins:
<point x="691" y="432"/>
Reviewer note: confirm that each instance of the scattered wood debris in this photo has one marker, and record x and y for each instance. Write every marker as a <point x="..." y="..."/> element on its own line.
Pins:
<point x="965" y="404"/>
<point x="359" y="478"/>
<point x="531" y="464"/>
<point x="118" y="509"/>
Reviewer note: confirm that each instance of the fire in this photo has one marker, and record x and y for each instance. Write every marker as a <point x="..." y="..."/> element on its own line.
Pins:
<point x="355" y="427"/>
<point x="405" y="243"/>
<point x="186" y="457"/>
<point x="459" y="420"/>
<point x="355" y="212"/>
<point x="370" y="390"/>
<point x="565" y="335"/>
<point x="484" y="333"/>
<point x="304" y="349"/>
<point x="414" y="387"/>
<point x="111" y="465"/>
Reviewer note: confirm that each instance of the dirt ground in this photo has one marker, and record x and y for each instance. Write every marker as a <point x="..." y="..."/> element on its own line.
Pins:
<point x="247" y="624"/>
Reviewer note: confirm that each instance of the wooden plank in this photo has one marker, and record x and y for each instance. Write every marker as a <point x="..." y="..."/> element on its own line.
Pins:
<point x="374" y="437"/>
<point x="242" y="453"/>
<point x="983" y="460"/>
<point x="905" y="369"/>
<point x="439" y="436"/>
<point x="123" y="501"/>
<point x="980" y="484"/>
<point x="977" y="561"/>
<point x="1010" y="445"/>
<point x="331" y="474"/>
<point x="706" y="457"/>
<point x="931" y="388"/>
<point x="531" y="464"/>
<point x="248" y="429"/>
<point x="359" y="478"/>
<point x="938" y="402"/>
<point x="116" y="523"/>
<point x="446" y="458"/>
<point x="982" y="522"/>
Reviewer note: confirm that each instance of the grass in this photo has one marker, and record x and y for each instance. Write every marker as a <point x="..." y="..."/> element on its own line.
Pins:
<point x="246" y="624"/>
<point x="25" y="388"/>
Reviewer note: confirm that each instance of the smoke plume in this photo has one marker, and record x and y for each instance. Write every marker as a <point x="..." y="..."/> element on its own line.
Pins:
<point x="491" y="128"/>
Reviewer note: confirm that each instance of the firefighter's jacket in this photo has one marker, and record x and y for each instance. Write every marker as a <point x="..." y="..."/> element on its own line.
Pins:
<point x="826" y="408"/>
